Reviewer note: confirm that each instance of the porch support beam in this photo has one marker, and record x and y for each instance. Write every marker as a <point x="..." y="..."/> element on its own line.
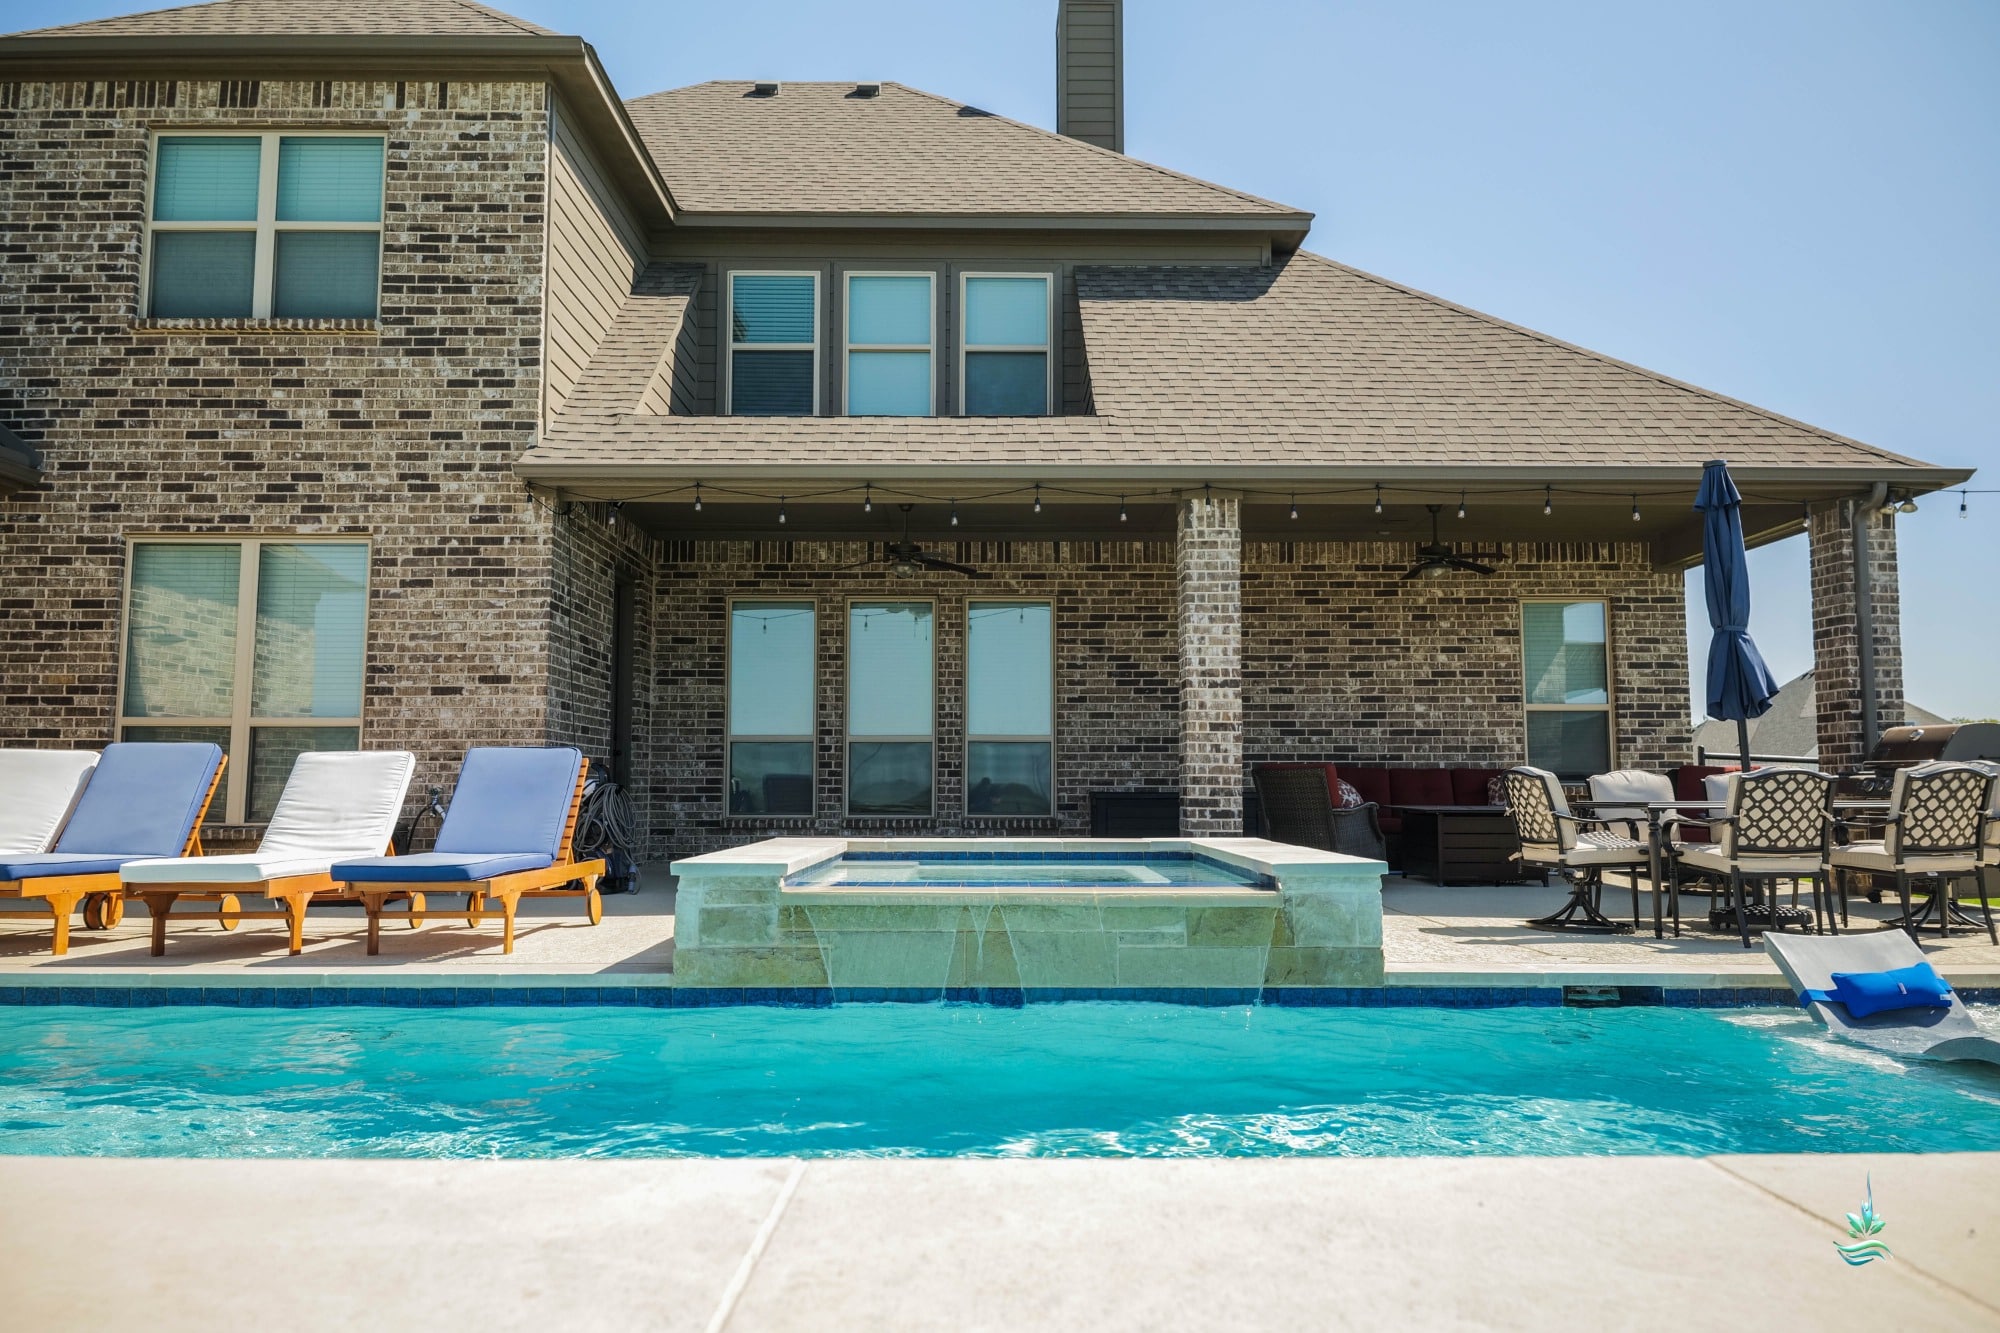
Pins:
<point x="1208" y="563"/>
<point x="1857" y="629"/>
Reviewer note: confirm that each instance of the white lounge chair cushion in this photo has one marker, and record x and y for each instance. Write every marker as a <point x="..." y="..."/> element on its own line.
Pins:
<point x="1710" y="858"/>
<point x="1875" y="856"/>
<point x="336" y="805"/>
<point x="38" y="789"/>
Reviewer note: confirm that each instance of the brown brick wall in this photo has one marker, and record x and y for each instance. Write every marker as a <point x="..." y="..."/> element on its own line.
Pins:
<point x="1208" y="567"/>
<point x="1837" y="637"/>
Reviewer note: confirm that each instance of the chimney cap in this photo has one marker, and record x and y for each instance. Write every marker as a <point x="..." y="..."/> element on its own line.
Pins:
<point x="865" y="90"/>
<point x="763" y="90"/>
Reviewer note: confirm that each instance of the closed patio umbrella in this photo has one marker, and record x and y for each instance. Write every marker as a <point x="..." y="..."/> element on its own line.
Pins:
<point x="1740" y="686"/>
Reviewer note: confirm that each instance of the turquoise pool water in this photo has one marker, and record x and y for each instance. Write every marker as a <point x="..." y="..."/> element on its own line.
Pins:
<point x="1025" y="870"/>
<point x="929" y="1080"/>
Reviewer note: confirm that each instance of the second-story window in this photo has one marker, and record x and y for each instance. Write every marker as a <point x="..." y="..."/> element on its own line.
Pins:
<point x="256" y="226"/>
<point x="1005" y="345"/>
<point x="889" y="323"/>
<point x="773" y="321"/>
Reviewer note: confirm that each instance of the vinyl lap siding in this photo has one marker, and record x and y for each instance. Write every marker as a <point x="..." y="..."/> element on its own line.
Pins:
<point x="595" y="250"/>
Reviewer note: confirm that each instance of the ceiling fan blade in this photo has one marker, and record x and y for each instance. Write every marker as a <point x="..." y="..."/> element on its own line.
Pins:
<point x="858" y="564"/>
<point x="1416" y="570"/>
<point x="939" y="562"/>
<point x="1460" y="562"/>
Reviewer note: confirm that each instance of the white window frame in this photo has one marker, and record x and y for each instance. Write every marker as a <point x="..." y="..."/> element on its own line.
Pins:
<point x="1610" y="705"/>
<point x="1047" y="349"/>
<point x="266" y="225"/>
<point x="1048" y="738"/>
<point x="729" y="734"/>
<point x="240" y="721"/>
<point x="847" y="736"/>
<point x="848" y="349"/>
<point x="731" y="346"/>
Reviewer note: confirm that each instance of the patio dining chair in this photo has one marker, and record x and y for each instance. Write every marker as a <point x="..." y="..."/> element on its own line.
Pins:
<point x="1776" y="825"/>
<point x="1298" y="806"/>
<point x="1578" y="847"/>
<point x="1629" y="784"/>
<point x="1936" y="829"/>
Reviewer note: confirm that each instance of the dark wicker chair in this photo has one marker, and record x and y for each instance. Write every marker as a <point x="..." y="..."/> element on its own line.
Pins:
<point x="1297" y="801"/>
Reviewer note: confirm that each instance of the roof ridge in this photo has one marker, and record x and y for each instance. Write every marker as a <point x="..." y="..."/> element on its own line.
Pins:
<point x="487" y="11"/>
<point x="1106" y="152"/>
<point x="1589" y="354"/>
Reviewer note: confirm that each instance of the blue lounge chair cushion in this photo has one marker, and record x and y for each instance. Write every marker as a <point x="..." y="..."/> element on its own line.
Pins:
<point x="143" y="799"/>
<point x="1915" y="987"/>
<point x="511" y="800"/>
<point x="47" y="864"/>
<point x="435" y="868"/>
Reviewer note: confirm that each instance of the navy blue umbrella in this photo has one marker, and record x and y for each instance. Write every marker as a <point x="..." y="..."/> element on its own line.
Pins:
<point x="1740" y="686"/>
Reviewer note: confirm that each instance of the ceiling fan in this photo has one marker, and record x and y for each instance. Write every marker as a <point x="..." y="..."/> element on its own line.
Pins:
<point x="906" y="559"/>
<point x="1435" y="559"/>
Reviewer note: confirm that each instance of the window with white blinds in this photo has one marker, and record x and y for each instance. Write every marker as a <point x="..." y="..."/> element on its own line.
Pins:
<point x="773" y="323"/>
<point x="274" y="225"/>
<point x="257" y="645"/>
<point x="1566" y="663"/>
<point x="1009" y="708"/>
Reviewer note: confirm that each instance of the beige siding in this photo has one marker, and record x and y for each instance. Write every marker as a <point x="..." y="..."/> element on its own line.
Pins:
<point x="1089" y="77"/>
<point x="595" y="250"/>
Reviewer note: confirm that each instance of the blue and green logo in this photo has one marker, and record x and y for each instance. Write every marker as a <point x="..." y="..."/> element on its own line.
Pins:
<point x="1862" y="1229"/>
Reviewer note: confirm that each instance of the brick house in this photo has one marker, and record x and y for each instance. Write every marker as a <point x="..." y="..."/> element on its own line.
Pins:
<point x="374" y="374"/>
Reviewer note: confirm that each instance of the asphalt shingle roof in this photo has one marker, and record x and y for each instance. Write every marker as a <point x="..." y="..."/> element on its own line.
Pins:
<point x="256" y="18"/>
<point x="818" y="148"/>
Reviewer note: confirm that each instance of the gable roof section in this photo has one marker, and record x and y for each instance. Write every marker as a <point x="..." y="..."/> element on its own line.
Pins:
<point x="816" y="150"/>
<point x="220" y="18"/>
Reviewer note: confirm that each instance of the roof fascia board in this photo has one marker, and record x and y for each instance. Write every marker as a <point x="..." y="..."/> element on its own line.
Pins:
<point x="569" y="62"/>
<point x="1285" y="224"/>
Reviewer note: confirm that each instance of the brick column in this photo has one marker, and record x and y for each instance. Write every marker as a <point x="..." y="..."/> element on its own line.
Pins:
<point x="1208" y="563"/>
<point x="1837" y="632"/>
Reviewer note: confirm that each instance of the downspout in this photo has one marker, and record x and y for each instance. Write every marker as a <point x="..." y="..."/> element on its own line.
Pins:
<point x="1864" y="615"/>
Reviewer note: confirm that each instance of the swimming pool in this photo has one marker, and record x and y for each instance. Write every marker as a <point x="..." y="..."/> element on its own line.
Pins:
<point x="1086" y="1079"/>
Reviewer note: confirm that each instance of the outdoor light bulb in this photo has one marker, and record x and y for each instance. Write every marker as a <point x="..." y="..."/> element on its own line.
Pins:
<point x="1548" y="499"/>
<point x="1121" y="509"/>
<point x="611" y="513"/>
<point x="868" y="499"/>
<point x="1907" y="507"/>
<point x="954" y="513"/>
<point x="1434" y="571"/>
<point x="1961" y="504"/>
<point x="1635" y="509"/>
<point x="781" y="509"/>
<point x="1038" y="499"/>
<point x="1295" y="506"/>
<point x="697" y="497"/>
<point x="1378" y="497"/>
<point x="1461" y="504"/>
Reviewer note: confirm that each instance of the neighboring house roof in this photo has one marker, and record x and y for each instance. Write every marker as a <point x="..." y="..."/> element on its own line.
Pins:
<point x="20" y="466"/>
<point x="440" y="18"/>
<point x="819" y="150"/>
<point x="1791" y="728"/>
<point x="1306" y="364"/>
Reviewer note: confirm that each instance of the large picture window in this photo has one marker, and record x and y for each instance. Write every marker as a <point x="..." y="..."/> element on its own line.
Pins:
<point x="773" y="323"/>
<point x="771" y="656"/>
<point x="1566" y="658"/>
<point x="1004" y="358"/>
<point x="891" y="710"/>
<point x="889" y="330"/>
<point x="258" y="646"/>
<point x="1009" y="708"/>
<point x="256" y="226"/>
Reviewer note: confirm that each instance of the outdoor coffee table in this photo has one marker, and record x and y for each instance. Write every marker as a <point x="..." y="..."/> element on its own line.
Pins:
<point x="1460" y="844"/>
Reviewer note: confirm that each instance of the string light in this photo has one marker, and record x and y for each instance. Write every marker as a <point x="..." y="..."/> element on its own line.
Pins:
<point x="1038" y="497"/>
<point x="1548" y="500"/>
<point x="697" y="497"/>
<point x="1461" y="504"/>
<point x="781" y="509"/>
<point x="1635" y="509"/>
<point x="1295" y="507"/>
<point x="1121" y="509"/>
<point x="1961" y="504"/>
<point x="611" y="513"/>
<point x="868" y="497"/>
<point x="954" y="513"/>
<point x="1378" y="497"/>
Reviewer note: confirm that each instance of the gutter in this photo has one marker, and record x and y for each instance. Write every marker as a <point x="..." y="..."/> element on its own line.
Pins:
<point x="1864" y="614"/>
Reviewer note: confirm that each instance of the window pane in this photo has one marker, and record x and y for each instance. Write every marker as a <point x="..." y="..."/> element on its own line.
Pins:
<point x="772" y="308"/>
<point x="272" y="750"/>
<point x="889" y="669"/>
<point x="1006" y="384"/>
<point x="889" y="778"/>
<point x="1006" y="312"/>
<point x="1008" y="668"/>
<point x="1570" y="745"/>
<point x="771" y="384"/>
<point x="325" y="274"/>
<point x="888" y="384"/>
<point x="329" y="180"/>
<point x="203" y="274"/>
<point x="180" y="639"/>
<point x="312" y="604"/>
<point x="206" y="179"/>
<point x="889" y="310"/>
<point x="1008" y="778"/>
<point x="217" y="808"/>
<point x="771" y="778"/>
<point x="1563" y="649"/>
<point x="771" y="669"/>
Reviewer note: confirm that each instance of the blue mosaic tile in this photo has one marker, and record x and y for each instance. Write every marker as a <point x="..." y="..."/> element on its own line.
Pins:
<point x="401" y="997"/>
<point x="544" y="995"/>
<point x="186" y="995"/>
<point x="437" y="997"/>
<point x="294" y="997"/>
<point x="581" y="995"/>
<point x="472" y="997"/>
<point x="326" y="997"/>
<point x="655" y="997"/>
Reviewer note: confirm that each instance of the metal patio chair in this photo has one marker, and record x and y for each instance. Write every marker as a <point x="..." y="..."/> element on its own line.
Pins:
<point x="1578" y="847"/>
<point x="1937" y="829"/>
<point x="1777" y="825"/>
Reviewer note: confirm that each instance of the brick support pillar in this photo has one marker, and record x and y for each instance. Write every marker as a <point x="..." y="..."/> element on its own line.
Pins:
<point x="1838" y="615"/>
<point x="1208" y="563"/>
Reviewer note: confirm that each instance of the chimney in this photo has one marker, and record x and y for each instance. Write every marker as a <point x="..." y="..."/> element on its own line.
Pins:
<point x="1090" y="72"/>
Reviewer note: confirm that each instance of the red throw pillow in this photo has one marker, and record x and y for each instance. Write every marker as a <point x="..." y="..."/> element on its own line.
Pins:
<point x="1346" y="796"/>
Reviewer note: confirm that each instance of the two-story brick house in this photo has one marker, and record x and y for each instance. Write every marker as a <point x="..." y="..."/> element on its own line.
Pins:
<point x="375" y="375"/>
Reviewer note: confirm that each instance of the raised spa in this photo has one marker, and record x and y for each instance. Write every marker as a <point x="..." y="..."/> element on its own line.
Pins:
<point x="1032" y="914"/>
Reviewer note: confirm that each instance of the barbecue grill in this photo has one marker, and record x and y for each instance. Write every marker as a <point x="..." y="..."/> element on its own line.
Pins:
<point x="1906" y="747"/>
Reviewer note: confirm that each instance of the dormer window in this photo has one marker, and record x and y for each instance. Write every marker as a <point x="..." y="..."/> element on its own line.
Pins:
<point x="890" y="324"/>
<point x="261" y="226"/>
<point x="773" y="322"/>
<point x="1004" y="365"/>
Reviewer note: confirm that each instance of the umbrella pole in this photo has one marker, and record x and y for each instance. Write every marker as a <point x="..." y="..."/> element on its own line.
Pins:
<point x="1743" y="741"/>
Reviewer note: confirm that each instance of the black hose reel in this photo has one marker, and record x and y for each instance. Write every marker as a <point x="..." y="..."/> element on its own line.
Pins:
<point x="607" y="828"/>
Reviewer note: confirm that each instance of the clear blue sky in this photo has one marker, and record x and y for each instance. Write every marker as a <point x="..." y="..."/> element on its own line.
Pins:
<point x="1795" y="202"/>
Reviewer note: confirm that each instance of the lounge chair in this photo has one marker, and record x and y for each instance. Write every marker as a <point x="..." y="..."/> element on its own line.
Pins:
<point x="1297" y="801"/>
<point x="336" y="805"/>
<point x="1946" y="1033"/>
<point x="508" y="835"/>
<point x="38" y="789"/>
<point x="143" y="800"/>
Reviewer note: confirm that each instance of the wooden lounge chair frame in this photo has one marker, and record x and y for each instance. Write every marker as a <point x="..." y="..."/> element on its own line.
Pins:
<point x="548" y="882"/>
<point x="292" y="893"/>
<point x="101" y="895"/>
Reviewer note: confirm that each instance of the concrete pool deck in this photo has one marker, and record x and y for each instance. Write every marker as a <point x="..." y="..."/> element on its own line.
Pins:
<point x="771" y="1244"/>
<point x="1432" y="936"/>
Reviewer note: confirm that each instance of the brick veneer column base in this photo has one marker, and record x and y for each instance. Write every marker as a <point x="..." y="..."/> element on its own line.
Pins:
<point x="1208" y="566"/>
